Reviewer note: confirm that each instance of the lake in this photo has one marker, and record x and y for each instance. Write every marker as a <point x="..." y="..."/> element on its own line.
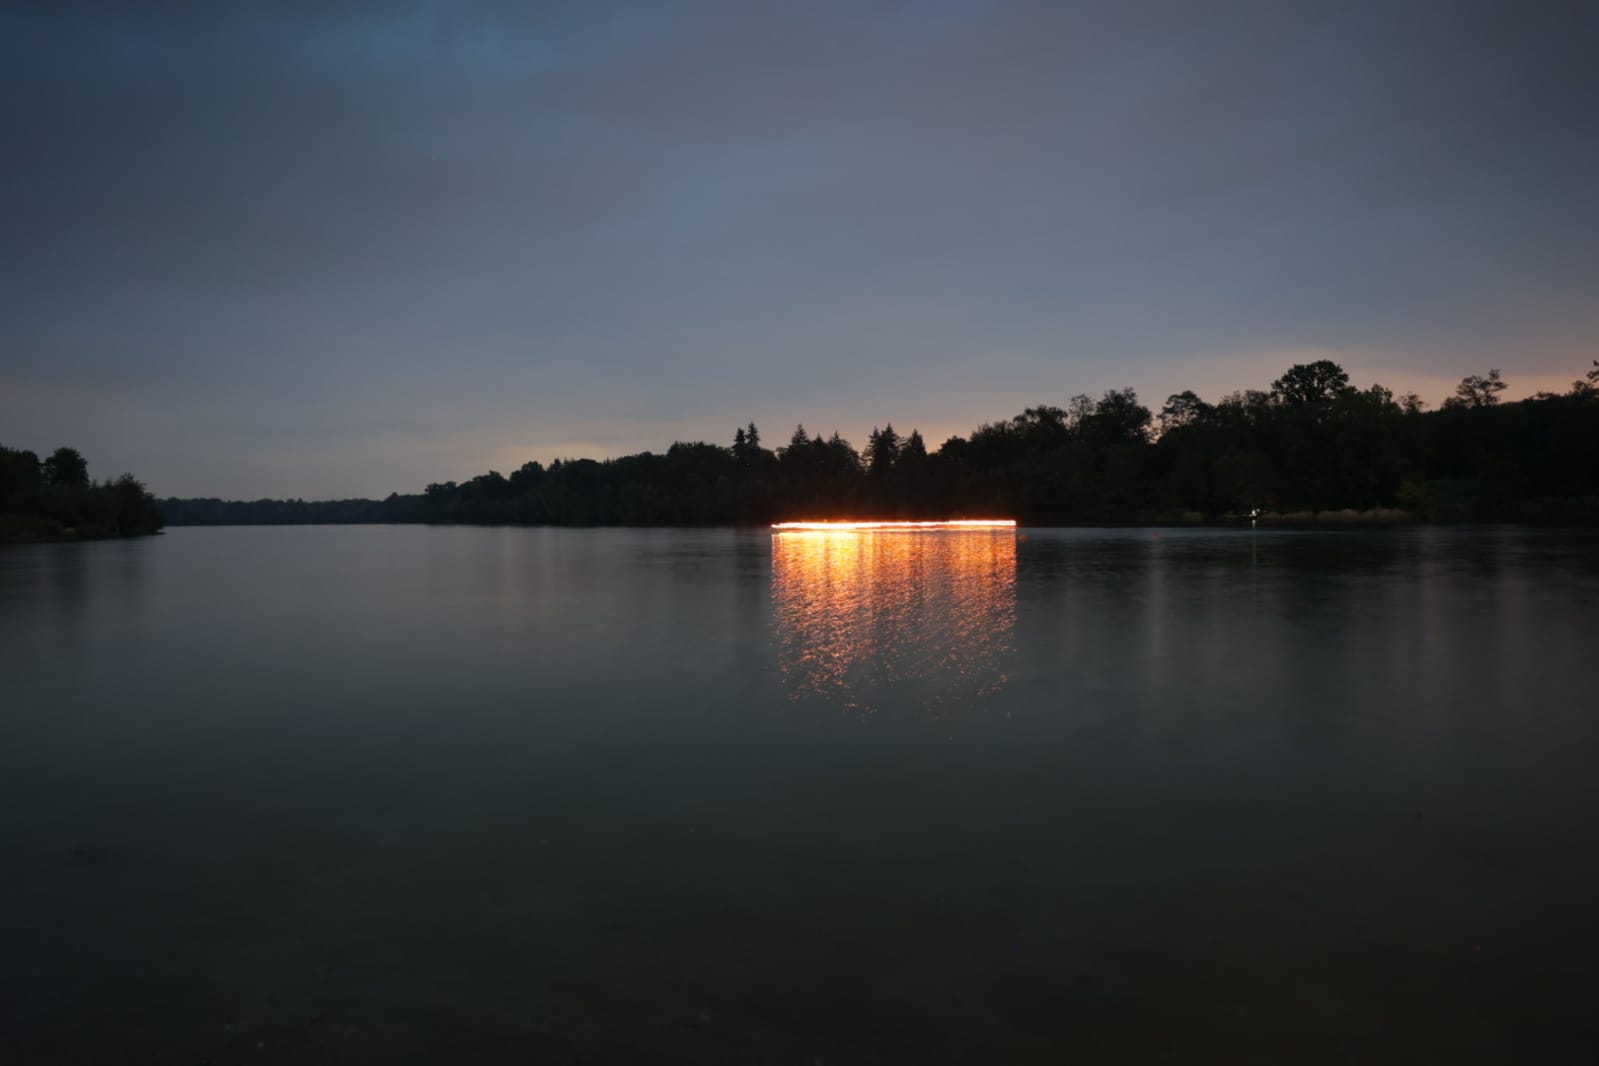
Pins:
<point x="409" y="794"/>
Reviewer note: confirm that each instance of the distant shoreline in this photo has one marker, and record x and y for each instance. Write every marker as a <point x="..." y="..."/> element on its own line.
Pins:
<point x="1313" y="450"/>
<point x="1586" y="514"/>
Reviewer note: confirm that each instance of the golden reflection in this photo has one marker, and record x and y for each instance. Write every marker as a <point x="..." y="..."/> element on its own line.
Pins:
<point x="859" y="614"/>
<point x="952" y="523"/>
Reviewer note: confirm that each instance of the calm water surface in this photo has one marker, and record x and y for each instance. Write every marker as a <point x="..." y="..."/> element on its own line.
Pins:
<point x="399" y="794"/>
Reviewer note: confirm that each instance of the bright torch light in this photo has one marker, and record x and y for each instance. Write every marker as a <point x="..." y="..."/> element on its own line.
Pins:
<point x="954" y="523"/>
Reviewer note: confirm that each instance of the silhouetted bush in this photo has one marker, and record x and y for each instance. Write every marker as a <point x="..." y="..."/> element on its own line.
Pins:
<point x="55" y="499"/>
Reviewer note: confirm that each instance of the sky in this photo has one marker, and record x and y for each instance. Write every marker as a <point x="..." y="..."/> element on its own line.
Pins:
<point x="328" y="249"/>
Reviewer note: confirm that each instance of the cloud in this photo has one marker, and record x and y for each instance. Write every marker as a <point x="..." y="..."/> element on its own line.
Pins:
<point x="375" y="226"/>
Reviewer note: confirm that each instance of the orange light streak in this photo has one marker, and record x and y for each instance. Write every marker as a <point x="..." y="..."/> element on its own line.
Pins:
<point x="921" y="616"/>
<point x="957" y="523"/>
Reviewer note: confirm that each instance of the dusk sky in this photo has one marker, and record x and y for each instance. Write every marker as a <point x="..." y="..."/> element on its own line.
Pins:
<point x="330" y="249"/>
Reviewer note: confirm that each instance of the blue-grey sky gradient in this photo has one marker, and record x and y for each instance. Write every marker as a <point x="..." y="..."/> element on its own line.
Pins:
<point x="334" y="248"/>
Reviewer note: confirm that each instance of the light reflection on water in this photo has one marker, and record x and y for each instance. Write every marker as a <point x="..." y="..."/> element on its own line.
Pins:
<point x="858" y="615"/>
<point x="1127" y="796"/>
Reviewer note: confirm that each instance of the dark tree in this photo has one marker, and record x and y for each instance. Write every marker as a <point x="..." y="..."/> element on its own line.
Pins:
<point x="1477" y="391"/>
<point x="526" y="478"/>
<point x="1182" y="409"/>
<point x="914" y="450"/>
<point x="66" y="468"/>
<point x="747" y="450"/>
<point x="20" y="475"/>
<point x="1118" y="418"/>
<point x="1313" y="385"/>
<point x="882" y="451"/>
<point x="1042" y="427"/>
<point x="1078" y="410"/>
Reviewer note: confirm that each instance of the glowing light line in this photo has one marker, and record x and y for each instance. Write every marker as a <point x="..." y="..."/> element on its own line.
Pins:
<point x="958" y="523"/>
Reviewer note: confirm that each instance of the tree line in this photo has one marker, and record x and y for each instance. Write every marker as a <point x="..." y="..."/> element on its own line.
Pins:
<point x="54" y="498"/>
<point x="1311" y="443"/>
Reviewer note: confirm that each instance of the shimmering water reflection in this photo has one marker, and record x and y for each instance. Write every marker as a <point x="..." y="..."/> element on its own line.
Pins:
<point x="857" y="614"/>
<point x="330" y="795"/>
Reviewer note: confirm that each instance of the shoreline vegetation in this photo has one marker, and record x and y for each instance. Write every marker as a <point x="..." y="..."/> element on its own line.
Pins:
<point x="1310" y="450"/>
<point x="54" y="499"/>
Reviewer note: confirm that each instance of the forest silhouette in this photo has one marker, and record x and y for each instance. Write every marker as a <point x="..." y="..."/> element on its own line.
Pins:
<point x="1312" y="446"/>
<point x="55" y="499"/>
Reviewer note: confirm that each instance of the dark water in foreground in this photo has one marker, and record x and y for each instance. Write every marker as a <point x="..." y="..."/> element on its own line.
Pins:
<point x="339" y="795"/>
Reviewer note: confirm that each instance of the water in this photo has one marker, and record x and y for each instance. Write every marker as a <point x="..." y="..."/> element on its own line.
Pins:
<point x="399" y="794"/>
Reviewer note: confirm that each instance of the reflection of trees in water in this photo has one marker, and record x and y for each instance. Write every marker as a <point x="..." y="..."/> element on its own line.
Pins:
<point x="858" y="614"/>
